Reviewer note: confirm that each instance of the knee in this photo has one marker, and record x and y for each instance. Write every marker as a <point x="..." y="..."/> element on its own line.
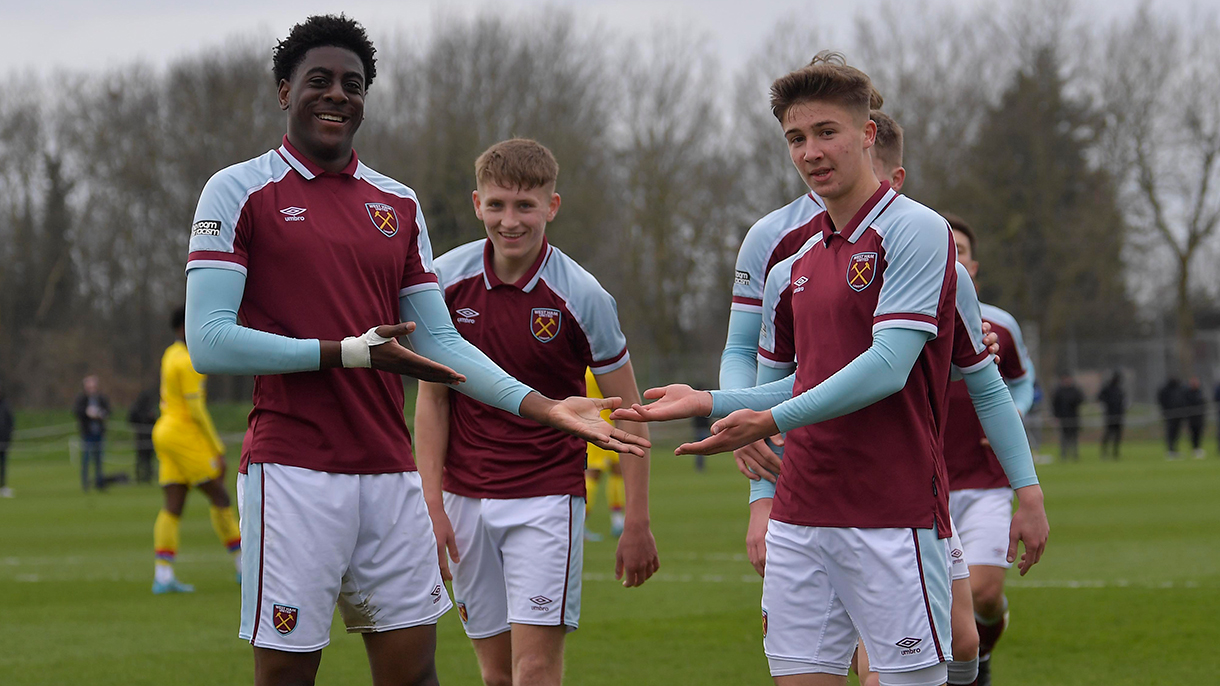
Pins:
<point x="493" y="676"/>
<point x="537" y="669"/>
<point x="989" y="599"/>
<point x="965" y="642"/>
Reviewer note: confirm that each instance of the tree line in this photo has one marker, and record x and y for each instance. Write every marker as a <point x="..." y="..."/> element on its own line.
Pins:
<point x="1085" y="156"/>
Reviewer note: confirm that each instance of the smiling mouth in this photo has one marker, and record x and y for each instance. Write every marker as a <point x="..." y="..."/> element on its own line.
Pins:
<point x="336" y="118"/>
<point x="505" y="234"/>
<point x="820" y="174"/>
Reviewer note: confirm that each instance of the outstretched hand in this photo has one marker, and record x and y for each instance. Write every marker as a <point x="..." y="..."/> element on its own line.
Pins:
<point x="734" y="431"/>
<point x="582" y="417"/>
<point x="394" y="357"/>
<point x="758" y="460"/>
<point x="675" y="401"/>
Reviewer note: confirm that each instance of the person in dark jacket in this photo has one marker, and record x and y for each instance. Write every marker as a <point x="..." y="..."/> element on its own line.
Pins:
<point x="91" y="410"/>
<point x="1114" y="405"/>
<point x="1065" y="405"/>
<point x="6" y="437"/>
<point x="141" y="417"/>
<point x="1195" y="411"/>
<point x="1172" y="399"/>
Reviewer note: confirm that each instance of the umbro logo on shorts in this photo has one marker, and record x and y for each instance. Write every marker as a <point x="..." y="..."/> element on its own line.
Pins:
<point x="909" y="644"/>
<point x="293" y="214"/>
<point x="436" y="594"/>
<point x="466" y="315"/>
<point x="957" y="553"/>
<point x="540" y="603"/>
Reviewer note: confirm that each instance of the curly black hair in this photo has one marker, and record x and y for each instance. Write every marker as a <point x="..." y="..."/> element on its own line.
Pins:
<point x="323" y="30"/>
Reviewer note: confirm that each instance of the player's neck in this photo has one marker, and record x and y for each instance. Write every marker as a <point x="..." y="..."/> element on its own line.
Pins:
<point x="511" y="269"/>
<point x="330" y="160"/>
<point x="844" y="207"/>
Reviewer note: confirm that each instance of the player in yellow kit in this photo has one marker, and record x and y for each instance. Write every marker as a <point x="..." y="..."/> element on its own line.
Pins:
<point x="601" y="460"/>
<point x="191" y="456"/>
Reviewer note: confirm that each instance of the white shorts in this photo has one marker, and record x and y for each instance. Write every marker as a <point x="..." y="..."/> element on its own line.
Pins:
<point x="521" y="561"/>
<point x="825" y="587"/>
<point x="958" y="567"/>
<point x="983" y="517"/>
<point x="311" y="539"/>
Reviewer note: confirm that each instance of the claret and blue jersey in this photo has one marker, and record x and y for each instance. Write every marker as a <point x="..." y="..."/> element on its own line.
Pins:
<point x="545" y="330"/>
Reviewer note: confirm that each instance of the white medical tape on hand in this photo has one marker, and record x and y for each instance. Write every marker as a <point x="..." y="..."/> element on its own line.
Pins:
<point x="355" y="349"/>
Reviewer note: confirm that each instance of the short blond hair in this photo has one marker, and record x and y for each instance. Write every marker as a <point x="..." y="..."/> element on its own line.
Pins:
<point x="517" y="163"/>
<point x="888" y="146"/>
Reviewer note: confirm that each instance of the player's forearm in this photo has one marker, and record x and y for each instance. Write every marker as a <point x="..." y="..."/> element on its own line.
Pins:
<point x="1002" y="424"/>
<point x="874" y="375"/>
<point x="435" y="338"/>
<point x="737" y="362"/>
<point x="1022" y="391"/>
<point x="635" y="475"/>
<point x="758" y="398"/>
<point x="197" y="406"/>
<point x="432" y="439"/>
<point x="761" y="488"/>
<point x="219" y="345"/>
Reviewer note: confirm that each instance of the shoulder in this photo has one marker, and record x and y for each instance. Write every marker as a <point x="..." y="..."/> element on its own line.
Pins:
<point x="569" y="279"/>
<point x="906" y="217"/>
<point x="765" y="232"/>
<point x="384" y="183"/>
<point x="241" y="179"/>
<point x="1000" y="317"/>
<point x="461" y="263"/>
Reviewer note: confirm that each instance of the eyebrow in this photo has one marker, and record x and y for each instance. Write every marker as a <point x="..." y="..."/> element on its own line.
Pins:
<point x="326" y="72"/>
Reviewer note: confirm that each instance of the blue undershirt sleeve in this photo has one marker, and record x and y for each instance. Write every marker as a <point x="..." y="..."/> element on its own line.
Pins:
<point x="762" y="488"/>
<point x="877" y="373"/>
<point x="997" y="413"/>
<point x="219" y="345"/>
<point x="1022" y="391"/>
<point x="436" y="339"/>
<point x="739" y="361"/>
<point x="759" y="398"/>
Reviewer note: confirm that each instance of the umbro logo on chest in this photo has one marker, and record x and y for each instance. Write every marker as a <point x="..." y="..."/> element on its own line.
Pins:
<point x="293" y="213"/>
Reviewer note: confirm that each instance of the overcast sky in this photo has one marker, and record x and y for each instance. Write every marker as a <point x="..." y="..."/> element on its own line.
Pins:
<point x="89" y="34"/>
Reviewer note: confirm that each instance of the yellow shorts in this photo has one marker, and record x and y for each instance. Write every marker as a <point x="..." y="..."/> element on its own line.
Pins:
<point x="183" y="460"/>
<point x="600" y="459"/>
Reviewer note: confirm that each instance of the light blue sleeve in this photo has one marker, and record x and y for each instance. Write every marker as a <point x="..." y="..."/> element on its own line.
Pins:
<point x="1002" y="425"/>
<point x="436" y="339"/>
<point x="1022" y="391"/>
<point x="877" y="373"/>
<point x="918" y="253"/>
<point x="758" y="398"/>
<point x="762" y="488"/>
<point x="219" y="345"/>
<point x="739" y="361"/>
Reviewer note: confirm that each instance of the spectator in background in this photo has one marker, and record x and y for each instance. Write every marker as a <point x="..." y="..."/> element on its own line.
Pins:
<point x="141" y="417"/>
<point x="1114" y="405"/>
<point x="1195" y="411"/>
<point x="1172" y="399"/>
<point x="703" y="429"/>
<point x="1065" y="405"/>
<point x="1216" y="397"/>
<point x="91" y="409"/>
<point x="6" y="437"/>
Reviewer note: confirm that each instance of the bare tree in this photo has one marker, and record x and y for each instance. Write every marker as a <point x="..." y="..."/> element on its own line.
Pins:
<point x="1159" y="84"/>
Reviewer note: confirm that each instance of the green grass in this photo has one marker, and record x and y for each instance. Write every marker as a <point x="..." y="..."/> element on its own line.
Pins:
<point x="1127" y="593"/>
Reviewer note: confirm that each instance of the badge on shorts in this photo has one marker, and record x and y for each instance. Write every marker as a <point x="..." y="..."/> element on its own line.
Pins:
<point x="284" y="617"/>
<point x="764" y="623"/>
<point x="462" y="613"/>
<point x="436" y="594"/>
<point x="384" y="217"/>
<point x="544" y="323"/>
<point x="860" y="270"/>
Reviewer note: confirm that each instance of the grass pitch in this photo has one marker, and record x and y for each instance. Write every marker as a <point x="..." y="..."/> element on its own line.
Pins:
<point x="1127" y="593"/>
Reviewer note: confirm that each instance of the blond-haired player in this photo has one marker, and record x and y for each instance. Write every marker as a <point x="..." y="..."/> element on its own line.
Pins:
<point x="192" y="456"/>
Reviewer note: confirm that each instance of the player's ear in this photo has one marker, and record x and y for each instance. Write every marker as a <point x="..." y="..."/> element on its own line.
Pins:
<point x="870" y="133"/>
<point x="900" y="177"/>
<point x="478" y="209"/>
<point x="554" y="207"/>
<point x="284" y="89"/>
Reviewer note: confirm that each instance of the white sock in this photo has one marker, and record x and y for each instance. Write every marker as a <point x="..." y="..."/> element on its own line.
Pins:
<point x="617" y="518"/>
<point x="964" y="672"/>
<point x="163" y="572"/>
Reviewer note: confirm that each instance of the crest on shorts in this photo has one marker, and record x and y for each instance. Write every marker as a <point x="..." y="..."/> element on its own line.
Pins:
<point x="861" y="268"/>
<point x="462" y="613"/>
<point x="284" y="618"/>
<point x="544" y="323"/>
<point x="764" y="623"/>
<point x="384" y="217"/>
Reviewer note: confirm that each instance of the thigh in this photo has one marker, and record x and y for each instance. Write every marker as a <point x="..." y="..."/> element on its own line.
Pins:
<point x="403" y="656"/>
<point x="542" y="545"/>
<point x="298" y="528"/>
<point x="478" y="579"/>
<point x="806" y="628"/>
<point x="895" y="586"/>
<point x="393" y="579"/>
<point x="983" y="517"/>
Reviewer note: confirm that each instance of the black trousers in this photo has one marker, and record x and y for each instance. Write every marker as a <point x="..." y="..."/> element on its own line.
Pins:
<point x="1112" y="436"/>
<point x="1196" y="432"/>
<point x="1173" y="429"/>
<point x="1069" y="441"/>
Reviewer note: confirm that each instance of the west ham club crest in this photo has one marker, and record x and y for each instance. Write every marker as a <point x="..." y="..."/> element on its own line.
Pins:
<point x="860" y="270"/>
